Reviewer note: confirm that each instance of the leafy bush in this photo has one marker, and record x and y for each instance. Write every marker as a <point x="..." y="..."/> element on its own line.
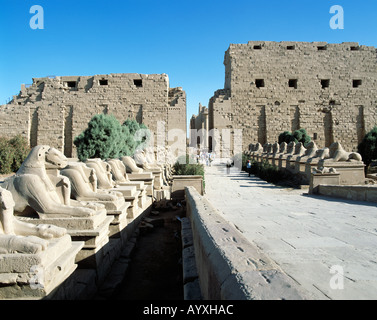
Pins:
<point x="266" y="171"/>
<point x="6" y="156"/>
<point x="139" y="136"/>
<point x="299" y="135"/>
<point x="285" y="137"/>
<point x="21" y="151"/>
<point x="368" y="147"/>
<point x="245" y="158"/>
<point x="12" y="153"/>
<point x="188" y="166"/>
<point x="106" y="138"/>
<point x="269" y="172"/>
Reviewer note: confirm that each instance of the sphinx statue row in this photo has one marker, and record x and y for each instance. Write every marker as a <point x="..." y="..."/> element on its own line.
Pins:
<point x="73" y="190"/>
<point x="49" y="196"/>
<point x="301" y="160"/>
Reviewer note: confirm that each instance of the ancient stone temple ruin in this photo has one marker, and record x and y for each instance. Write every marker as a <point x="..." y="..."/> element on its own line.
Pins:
<point x="270" y="87"/>
<point x="64" y="223"/>
<point x="68" y="227"/>
<point x="54" y="110"/>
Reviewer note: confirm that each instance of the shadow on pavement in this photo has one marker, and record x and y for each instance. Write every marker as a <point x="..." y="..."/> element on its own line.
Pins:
<point x="342" y="200"/>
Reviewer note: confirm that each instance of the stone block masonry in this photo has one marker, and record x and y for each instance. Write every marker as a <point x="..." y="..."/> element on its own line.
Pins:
<point x="228" y="266"/>
<point x="54" y="110"/>
<point x="270" y="87"/>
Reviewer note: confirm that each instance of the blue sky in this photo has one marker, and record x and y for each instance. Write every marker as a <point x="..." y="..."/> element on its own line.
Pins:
<point x="185" y="39"/>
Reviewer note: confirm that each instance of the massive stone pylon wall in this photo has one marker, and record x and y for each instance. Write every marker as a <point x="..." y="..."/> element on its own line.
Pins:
<point x="270" y="87"/>
<point x="54" y="110"/>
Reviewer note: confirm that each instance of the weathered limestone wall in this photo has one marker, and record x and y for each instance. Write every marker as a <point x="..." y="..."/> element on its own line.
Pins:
<point x="328" y="89"/>
<point x="57" y="109"/>
<point x="14" y="120"/>
<point x="176" y="115"/>
<point x="200" y="123"/>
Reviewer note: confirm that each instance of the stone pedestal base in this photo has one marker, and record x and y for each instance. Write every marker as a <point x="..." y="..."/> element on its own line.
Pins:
<point x="141" y="187"/>
<point x="351" y="172"/>
<point x="142" y="197"/>
<point x="146" y="177"/>
<point x="92" y="230"/>
<point x="133" y="219"/>
<point x="291" y="164"/>
<point x="299" y="170"/>
<point x="133" y="209"/>
<point x="131" y="195"/>
<point x="95" y="245"/>
<point x="269" y="158"/>
<point x="309" y="166"/>
<point x="275" y="159"/>
<point x="35" y="276"/>
<point x="127" y="191"/>
<point x="110" y="205"/>
<point x="180" y="182"/>
<point x="117" y="211"/>
<point x="300" y="167"/>
<point x="137" y="184"/>
<point x="281" y="162"/>
<point x="120" y="220"/>
<point x="158" y="181"/>
<point x="162" y="194"/>
<point x="323" y="179"/>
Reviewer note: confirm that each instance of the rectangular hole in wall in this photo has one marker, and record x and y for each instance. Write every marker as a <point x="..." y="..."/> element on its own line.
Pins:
<point x="325" y="83"/>
<point x="322" y="48"/>
<point x="257" y="47"/>
<point x="138" y="83"/>
<point x="315" y="136"/>
<point x="356" y="83"/>
<point x="290" y="47"/>
<point x="259" y="83"/>
<point x="292" y="83"/>
<point x="103" y="82"/>
<point x="71" y="84"/>
<point x="355" y="48"/>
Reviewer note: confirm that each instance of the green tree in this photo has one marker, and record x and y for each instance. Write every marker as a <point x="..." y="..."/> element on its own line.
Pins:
<point x="12" y="153"/>
<point x="299" y="135"/>
<point x="129" y="145"/>
<point x="6" y="156"/>
<point x="132" y="125"/>
<point x="368" y="147"/>
<point x="284" y="137"/>
<point x="145" y="135"/>
<point x="139" y="135"/>
<point x="21" y="149"/>
<point x="104" y="138"/>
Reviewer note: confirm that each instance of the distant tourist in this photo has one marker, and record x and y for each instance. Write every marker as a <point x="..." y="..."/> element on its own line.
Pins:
<point x="228" y="165"/>
<point x="211" y="156"/>
<point x="248" y="166"/>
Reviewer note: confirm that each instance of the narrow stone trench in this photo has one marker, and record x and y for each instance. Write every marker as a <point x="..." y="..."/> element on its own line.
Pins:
<point x="155" y="268"/>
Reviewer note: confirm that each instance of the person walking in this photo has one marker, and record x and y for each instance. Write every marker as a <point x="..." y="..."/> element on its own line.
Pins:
<point x="248" y="166"/>
<point x="228" y="165"/>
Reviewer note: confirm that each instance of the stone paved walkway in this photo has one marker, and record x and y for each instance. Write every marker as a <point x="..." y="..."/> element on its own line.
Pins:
<point x="307" y="236"/>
